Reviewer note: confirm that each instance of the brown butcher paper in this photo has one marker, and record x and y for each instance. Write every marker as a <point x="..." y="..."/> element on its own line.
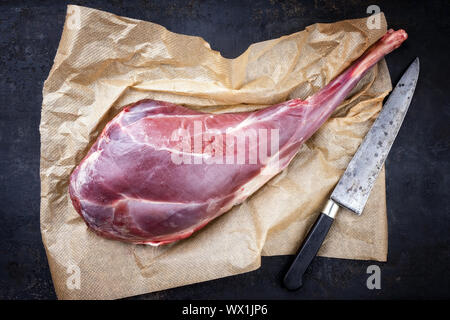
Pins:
<point x="105" y="62"/>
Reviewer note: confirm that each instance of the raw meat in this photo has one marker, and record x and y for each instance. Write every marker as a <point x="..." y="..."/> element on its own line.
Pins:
<point x="159" y="171"/>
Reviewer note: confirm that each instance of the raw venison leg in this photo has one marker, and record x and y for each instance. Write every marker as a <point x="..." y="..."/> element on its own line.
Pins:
<point x="132" y="186"/>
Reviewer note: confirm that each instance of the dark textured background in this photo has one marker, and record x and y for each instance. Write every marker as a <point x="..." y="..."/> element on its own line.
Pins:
<point x="418" y="166"/>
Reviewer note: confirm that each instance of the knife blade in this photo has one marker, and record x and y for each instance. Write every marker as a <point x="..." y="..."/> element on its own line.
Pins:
<point x="353" y="189"/>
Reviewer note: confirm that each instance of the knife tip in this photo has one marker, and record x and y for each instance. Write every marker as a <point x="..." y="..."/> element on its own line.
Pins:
<point x="417" y="62"/>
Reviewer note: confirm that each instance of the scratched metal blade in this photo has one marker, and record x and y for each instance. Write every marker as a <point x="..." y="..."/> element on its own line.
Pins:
<point x="358" y="179"/>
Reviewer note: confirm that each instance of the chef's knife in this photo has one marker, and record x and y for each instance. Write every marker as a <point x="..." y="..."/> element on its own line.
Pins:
<point x="355" y="185"/>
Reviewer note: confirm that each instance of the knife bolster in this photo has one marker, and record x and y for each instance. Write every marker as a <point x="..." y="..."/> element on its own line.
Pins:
<point x="330" y="209"/>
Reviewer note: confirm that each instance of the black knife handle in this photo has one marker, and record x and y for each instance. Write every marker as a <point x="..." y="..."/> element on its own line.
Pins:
<point x="293" y="279"/>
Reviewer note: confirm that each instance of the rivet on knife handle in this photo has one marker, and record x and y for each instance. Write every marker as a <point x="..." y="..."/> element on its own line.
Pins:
<point x="311" y="245"/>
